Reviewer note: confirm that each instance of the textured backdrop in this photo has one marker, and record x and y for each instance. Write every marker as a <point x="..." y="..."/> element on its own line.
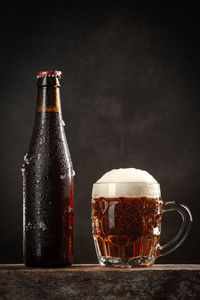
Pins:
<point x="130" y="98"/>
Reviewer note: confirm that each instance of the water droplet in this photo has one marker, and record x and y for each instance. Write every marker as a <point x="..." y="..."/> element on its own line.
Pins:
<point x="42" y="226"/>
<point x="156" y="231"/>
<point x="69" y="209"/>
<point x="73" y="173"/>
<point x="62" y="176"/>
<point x="26" y="159"/>
<point x="29" y="225"/>
<point x="63" y="122"/>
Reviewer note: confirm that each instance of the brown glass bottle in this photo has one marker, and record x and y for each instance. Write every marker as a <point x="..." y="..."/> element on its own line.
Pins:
<point x="48" y="183"/>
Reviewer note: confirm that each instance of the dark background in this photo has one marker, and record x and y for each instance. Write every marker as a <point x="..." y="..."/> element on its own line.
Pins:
<point x="130" y="98"/>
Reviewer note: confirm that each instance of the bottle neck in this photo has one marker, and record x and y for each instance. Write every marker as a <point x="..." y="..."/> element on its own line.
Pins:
<point x="48" y="99"/>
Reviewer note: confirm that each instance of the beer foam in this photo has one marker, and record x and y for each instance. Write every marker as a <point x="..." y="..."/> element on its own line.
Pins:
<point x="127" y="175"/>
<point x="128" y="182"/>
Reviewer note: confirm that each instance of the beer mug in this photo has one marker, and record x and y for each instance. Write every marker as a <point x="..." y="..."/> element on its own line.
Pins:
<point x="126" y="223"/>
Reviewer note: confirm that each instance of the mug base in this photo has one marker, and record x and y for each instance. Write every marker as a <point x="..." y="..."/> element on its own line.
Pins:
<point x="135" y="262"/>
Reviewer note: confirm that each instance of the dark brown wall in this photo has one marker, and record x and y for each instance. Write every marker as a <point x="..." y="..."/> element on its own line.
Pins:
<point x="130" y="98"/>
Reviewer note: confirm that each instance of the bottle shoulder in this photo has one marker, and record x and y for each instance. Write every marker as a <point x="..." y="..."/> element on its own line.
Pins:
<point x="48" y="133"/>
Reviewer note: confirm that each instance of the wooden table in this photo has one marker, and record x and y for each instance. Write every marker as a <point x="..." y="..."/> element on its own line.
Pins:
<point x="95" y="282"/>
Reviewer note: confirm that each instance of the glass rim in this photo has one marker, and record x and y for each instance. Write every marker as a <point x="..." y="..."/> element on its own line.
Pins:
<point x="127" y="182"/>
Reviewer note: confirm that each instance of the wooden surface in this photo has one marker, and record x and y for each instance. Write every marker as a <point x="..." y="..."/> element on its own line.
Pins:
<point x="95" y="282"/>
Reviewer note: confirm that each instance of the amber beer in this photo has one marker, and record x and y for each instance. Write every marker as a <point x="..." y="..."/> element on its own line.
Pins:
<point x="126" y="228"/>
<point x="48" y="182"/>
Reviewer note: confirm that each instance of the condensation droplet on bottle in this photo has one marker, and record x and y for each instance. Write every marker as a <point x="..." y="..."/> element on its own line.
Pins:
<point x="42" y="226"/>
<point x="26" y="160"/>
<point x="62" y="176"/>
<point x="69" y="209"/>
<point x="23" y="169"/>
<point x="63" y="122"/>
<point x="29" y="226"/>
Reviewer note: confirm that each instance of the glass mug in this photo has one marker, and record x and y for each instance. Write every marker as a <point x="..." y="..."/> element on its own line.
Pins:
<point x="126" y="228"/>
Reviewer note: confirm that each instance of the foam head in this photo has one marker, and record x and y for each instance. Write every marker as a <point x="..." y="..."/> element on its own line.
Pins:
<point x="128" y="182"/>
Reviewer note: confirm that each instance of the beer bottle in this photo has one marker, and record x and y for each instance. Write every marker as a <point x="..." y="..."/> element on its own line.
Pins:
<point x="48" y="182"/>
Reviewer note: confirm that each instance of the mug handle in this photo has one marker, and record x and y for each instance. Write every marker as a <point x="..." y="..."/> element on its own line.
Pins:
<point x="185" y="227"/>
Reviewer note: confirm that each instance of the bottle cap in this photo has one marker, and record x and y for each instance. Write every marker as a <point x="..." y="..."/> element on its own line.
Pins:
<point x="49" y="74"/>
